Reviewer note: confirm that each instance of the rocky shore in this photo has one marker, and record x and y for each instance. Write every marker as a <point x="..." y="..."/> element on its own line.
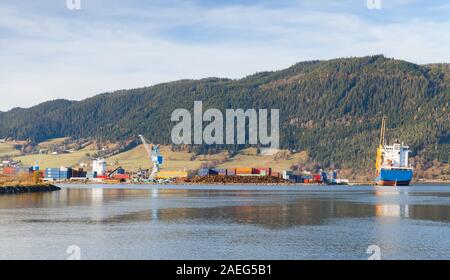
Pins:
<point x="4" y="190"/>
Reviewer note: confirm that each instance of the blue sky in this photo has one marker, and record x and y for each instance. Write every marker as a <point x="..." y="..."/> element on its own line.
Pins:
<point x="49" y="51"/>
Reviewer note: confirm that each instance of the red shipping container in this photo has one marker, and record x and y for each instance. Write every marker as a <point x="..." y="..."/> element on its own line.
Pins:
<point x="9" y="170"/>
<point x="121" y="176"/>
<point x="317" y="178"/>
<point x="102" y="177"/>
<point x="267" y="170"/>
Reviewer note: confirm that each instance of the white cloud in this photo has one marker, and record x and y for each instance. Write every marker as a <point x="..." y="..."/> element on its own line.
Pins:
<point x="108" y="47"/>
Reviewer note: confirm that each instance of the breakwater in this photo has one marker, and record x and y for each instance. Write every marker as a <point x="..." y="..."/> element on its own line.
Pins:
<point x="4" y="190"/>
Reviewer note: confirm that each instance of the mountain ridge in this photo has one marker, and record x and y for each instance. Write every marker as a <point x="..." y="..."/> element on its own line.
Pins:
<point x="331" y="108"/>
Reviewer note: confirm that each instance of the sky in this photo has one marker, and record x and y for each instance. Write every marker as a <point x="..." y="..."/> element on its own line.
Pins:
<point x="48" y="50"/>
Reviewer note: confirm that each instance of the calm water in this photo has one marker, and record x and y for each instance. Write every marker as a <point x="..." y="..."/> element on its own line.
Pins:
<point x="144" y="222"/>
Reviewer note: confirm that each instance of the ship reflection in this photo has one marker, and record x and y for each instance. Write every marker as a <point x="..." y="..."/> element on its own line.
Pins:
<point x="391" y="209"/>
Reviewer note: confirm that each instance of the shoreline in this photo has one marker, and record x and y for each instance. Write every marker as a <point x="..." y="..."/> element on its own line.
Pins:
<point x="19" y="189"/>
<point x="431" y="183"/>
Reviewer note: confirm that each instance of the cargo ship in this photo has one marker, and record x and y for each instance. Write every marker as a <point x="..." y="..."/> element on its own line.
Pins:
<point x="392" y="162"/>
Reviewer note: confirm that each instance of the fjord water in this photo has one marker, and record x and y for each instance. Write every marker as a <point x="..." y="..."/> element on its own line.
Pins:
<point x="227" y="222"/>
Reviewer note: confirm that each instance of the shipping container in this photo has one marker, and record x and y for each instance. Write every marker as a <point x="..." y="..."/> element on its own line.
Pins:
<point x="8" y="170"/>
<point x="91" y="175"/>
<point x="24" y="169"/>
<point x="287" y="174"/>
<point x="203" y="172"/>
<point x="218" y="171"/>
<point x="213" y="172"/>
<point x="206" y="172"/>
<point x="244" y="170"/>
<point x="79" y="173"/>
<point x="317" y="178"/>
<point x="231" y="172"/>
<point x="122" y="176"/>
<point x="263" y="171"/>
<point x="52" y="173"/>
<point x="295" y="179"/>
<point x="173" y="174"/>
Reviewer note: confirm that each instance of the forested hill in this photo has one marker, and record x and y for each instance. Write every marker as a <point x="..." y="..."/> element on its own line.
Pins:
<point x="330" y="108"/>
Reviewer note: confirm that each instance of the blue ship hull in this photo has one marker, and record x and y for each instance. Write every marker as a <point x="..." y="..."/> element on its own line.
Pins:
<point x="394" y="177"/>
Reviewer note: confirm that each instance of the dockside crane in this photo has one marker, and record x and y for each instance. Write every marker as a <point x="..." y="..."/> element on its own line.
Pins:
<point x="154" y="154"/>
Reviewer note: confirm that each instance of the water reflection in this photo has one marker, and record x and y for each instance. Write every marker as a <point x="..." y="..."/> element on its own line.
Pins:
<point x="391" y="209"/>
<point x="268" y="209"/>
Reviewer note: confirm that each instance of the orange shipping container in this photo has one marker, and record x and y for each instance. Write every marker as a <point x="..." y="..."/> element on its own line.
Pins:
<point x="244" y="170"/>
<point x="121" y="176"/>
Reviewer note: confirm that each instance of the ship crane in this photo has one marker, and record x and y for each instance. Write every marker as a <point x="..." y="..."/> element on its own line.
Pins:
<point x="380" y="149"/>
<point x="155" y="156"/>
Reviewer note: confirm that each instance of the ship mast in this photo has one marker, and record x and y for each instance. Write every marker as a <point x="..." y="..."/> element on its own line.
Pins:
<point x="379" y="159"/>
<point x="383" y="129"/>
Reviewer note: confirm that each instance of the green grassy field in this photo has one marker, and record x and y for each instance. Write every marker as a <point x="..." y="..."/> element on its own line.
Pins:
<point x="173" y="161"/>
<point x="137" y="158"/>
<point x="184" y="161"/>
<point x="7" y="149"/>
<point x="49" y="160"/>
<point x="52" y="142"/>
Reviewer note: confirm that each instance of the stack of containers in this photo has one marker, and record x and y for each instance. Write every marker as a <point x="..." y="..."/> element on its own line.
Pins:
<point x="8" y="170"/>
<point x="65" y="173"/>
<point x="295" y="179"/>
<point x="79" y="173"/>
<point x="24" y="169"/>
<point x="91" y="174"/>
<point x="275" y="174"/>
<point x="52" y="173"/>
<point x="287" y="174"/>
